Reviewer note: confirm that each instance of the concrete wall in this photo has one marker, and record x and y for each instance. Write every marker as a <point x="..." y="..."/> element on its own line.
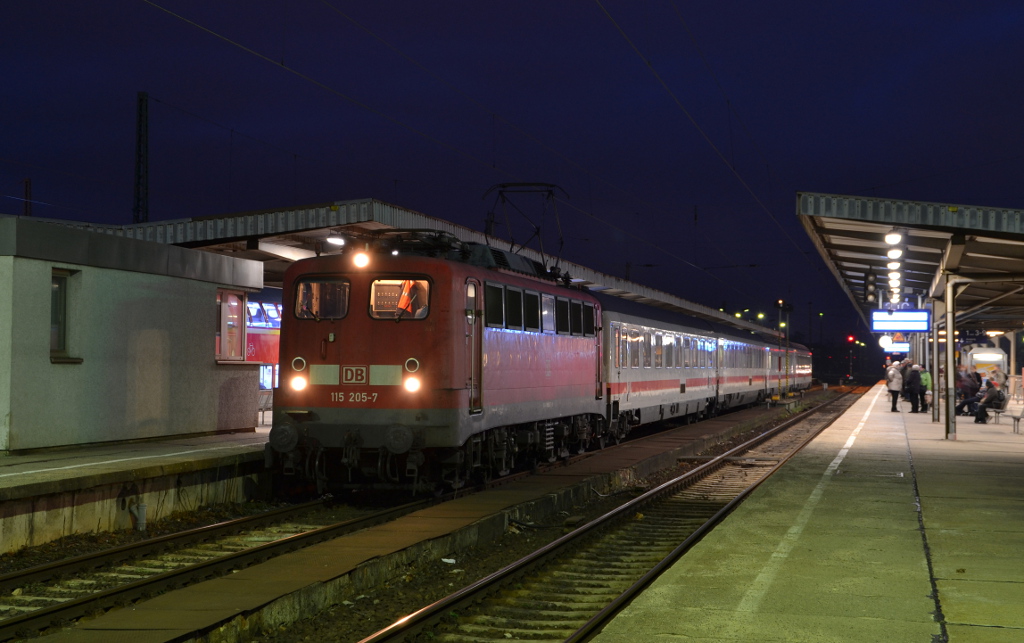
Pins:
<point x="148" y="369"/>
<point x="6" y="277"/>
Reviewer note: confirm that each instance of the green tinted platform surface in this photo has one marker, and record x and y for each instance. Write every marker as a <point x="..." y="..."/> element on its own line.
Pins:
<point x="834" y="547"/>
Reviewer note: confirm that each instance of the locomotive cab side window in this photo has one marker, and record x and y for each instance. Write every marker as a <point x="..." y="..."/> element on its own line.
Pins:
<point x="531" y="311"/>
<point x="562" y="316"/>
<point x="589" y="324"/>
<point x="547" y="309"/>
<point x="321" y="298"/>
<point x="494" y="305"/>
<point x="399" y="299"/>
<point x="576" y="317"/>
<point x="513" y="308"/>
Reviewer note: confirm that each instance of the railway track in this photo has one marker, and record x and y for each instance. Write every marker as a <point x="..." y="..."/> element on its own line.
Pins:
<point x="569" y="588"/>
<point x="34" y="599"/>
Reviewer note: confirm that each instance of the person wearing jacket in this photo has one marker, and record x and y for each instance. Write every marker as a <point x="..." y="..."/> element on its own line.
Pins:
<point x="926" y="387"/>
<point x="913" y="387"/>
<point x="992" y="397"/>
<point x="894" y="382"/>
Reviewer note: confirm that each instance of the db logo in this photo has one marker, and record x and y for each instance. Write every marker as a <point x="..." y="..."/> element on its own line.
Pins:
<point x="353" y="375"/>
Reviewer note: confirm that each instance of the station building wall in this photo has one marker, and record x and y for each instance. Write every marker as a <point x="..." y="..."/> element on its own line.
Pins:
<point x="140" y="359"/>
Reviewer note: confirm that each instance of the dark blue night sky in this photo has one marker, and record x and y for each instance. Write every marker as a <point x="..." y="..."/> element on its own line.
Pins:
<point x="680" y="133"/>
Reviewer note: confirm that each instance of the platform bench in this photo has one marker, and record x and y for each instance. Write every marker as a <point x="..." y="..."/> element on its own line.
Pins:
<point x="999" y="409"/>
<point x="1016" y="420"/>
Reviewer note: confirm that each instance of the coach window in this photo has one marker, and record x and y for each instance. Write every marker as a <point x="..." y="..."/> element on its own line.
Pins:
<point x="531" y="311"/>
<point x="562" y="316"/>
<point x="547" y="313"/>
<point x="513" y="308"/>
<point x="230" y="336"/>
<point x="659" y="356"/>
<point x="319" y="298"/>
<point x="399" y="299"/>
<point x="670" y="346"/>
<point x="614" y="334"/>
<point x="634" y="348"/>
<point x="623" y="347"/>
<point x="647" y="348"/>
<point x="494" y="305"/>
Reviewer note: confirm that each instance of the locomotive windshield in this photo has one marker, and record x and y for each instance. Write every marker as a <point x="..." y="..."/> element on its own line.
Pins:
<point x="399" y="299"/>
<point x="321" y="298"/>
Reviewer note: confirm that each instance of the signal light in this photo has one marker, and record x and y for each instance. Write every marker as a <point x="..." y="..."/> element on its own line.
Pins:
<point x="851" y="338"/>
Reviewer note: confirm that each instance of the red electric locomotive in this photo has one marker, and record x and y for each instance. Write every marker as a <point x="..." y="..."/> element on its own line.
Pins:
<point x="420" y="360"/>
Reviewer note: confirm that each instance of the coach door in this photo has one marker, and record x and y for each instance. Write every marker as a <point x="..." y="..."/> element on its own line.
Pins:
<point x="474" y="345"/>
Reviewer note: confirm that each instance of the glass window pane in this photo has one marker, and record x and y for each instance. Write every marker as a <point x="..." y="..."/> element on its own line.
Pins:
<point x="399" y="298"/>
<point x="58" y="313"/>
<point x="232" y="326"/>
<point x="547" y="313"/>
<point x="589" y="324"/>
<point x="494" y="305"/>
<point x="531" y="311"/>
<point x="576" y="317"/>
<point x="513" y="308"/>
<point x="562" y="315"/>
<point x="320" y="298"/>
<point x="634" y="348"/>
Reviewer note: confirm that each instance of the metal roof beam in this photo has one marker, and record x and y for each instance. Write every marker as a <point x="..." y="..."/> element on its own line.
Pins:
<point x="951" y="258"/>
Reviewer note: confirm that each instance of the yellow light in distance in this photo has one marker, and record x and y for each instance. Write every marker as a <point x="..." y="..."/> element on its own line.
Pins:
<point x="361" y="260"/>
<point x="298" y="382"/>
<point x="411" y="384"/>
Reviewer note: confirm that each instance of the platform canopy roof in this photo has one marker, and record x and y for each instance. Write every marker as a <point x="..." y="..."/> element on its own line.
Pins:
<point x="279" y="237"/>
<point x="980" y="248"/>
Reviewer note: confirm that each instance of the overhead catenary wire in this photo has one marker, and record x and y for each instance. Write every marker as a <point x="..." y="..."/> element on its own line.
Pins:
<point x="461" y="152"/>
<point x="548" y="148"/>
<point x="700" y="130"/>
<point x="725" y="96"/>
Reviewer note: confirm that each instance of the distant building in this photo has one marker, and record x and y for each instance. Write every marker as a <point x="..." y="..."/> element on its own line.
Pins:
<point x="104" y="338"/>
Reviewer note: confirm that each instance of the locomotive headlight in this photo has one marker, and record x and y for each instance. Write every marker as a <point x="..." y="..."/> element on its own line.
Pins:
<point x="298" y="382"/>
<point x="361" y="260"/>
<point x="411" y="384"/>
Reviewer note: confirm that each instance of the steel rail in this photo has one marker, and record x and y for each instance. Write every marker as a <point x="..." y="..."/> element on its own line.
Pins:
<point x="433" y="613"/>
<point x="614" y="607"/>
<point x="26" y="624"/>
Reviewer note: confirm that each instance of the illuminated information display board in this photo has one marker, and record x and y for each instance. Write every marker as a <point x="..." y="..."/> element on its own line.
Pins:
<point x="900" y="321"/>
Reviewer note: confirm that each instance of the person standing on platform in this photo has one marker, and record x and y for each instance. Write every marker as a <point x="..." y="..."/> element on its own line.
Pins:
<point x="976" y="380"/>
<point x="905" y="373"/>
<point x="913" y="388"/>
<point x="999" y="376"/>
<point x="926" y="389"/>
<point x="894" y="382"/>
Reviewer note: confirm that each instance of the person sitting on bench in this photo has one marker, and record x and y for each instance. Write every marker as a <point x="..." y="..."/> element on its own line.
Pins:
<point x="993" y="397"/>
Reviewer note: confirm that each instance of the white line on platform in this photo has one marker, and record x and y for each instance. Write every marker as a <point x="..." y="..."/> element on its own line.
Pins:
<point x="92" y="464"/>
<point x="752" y="600"/>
